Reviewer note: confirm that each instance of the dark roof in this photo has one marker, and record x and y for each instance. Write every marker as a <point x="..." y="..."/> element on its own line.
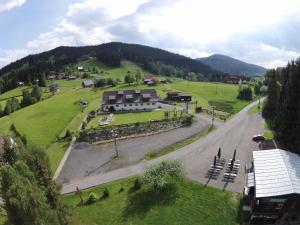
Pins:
<point x="129" y="96"/>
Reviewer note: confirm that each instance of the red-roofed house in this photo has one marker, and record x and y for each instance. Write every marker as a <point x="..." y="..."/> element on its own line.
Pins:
<point x="149" y="78"/>
<point x="234" y="79"/>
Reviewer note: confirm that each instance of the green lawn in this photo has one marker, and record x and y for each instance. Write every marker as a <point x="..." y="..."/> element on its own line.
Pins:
<point x="43" y="121"/>
<point x="134" y="117"/>
<point x="185" y="203"/>
<point x="223" y="96"/>
<point x="268" y="133"/>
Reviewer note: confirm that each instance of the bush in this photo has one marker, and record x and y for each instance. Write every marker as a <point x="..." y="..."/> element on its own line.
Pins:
<point x="137" y="184"/>
<point x="105" y="193"/>
<point x="121" y="190"/>
<point x="92" y="198"/>
<point x="159" y="175"/>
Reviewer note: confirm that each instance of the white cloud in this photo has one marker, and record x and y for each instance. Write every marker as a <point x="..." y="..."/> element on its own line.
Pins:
<point x="6" y="5"/>
<point x="193" y="28"/>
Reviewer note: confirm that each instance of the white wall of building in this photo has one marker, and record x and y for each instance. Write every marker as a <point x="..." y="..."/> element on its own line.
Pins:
<point x="131" y="106"/>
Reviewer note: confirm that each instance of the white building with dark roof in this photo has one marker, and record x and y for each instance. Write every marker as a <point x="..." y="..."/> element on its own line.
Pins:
<point x="130" y="100"/>
<point x="273" y="187"/>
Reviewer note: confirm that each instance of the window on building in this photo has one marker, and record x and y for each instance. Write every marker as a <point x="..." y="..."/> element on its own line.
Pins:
<point x="125" y="104"/>
<point x="136" y="104"/>
<point x="148" y="103"/>
<point x="142" y="104"/>
<point x="117" y="105"/>
<point x="130" y="104"/>
<point x="153" y="103"/>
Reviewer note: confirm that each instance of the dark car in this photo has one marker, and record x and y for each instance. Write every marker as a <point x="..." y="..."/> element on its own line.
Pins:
<point x="258" y="138"/>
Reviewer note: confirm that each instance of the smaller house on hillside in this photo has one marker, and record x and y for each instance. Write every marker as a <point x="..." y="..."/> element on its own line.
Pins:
<point x="72" y="77"/>
<point x="21" y="84"/>
<point x="149" y="79"/>
<point x="80" y="68"/>
<point x="177" y="97"/>
<point x="54" y="88"/>
<point x="87" y="84"/>
<point x="234" y="79"/>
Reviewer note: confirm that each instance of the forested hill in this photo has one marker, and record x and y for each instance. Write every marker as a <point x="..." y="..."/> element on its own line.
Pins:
<point x="230" y="65"/>
<point x="154" y="60"/>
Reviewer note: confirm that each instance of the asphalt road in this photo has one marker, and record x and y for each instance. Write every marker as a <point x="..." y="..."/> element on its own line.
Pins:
<point x="236" y="133"/>
<point x="87" y="160"/>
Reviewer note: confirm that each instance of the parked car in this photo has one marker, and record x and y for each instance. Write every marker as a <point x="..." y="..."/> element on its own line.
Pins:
<point x="258" y="138"/>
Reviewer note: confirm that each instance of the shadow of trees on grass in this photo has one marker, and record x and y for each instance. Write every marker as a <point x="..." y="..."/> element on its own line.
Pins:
<point x="140" y="202"/>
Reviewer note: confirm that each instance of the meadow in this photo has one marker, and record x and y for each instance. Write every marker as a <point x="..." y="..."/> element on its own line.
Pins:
<point x="43" y="122"/>
<point x="186" y="202"/>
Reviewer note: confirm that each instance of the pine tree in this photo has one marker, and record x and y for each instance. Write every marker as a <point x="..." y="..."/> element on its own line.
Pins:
<point x="287" y="120"/>
<point x="270" y="105"/>
<point x="43" y="80"/>
<point x="8" y="107"/>
<point x="36" y="92"/>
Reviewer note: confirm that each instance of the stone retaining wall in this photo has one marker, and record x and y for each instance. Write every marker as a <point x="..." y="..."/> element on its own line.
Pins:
<point x="102" y="134"/>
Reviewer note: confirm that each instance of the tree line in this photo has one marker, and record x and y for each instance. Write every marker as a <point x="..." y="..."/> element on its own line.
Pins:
<point x="28" y="98"/>
<point x="282" y="106"/>
<point x="30" y="195"/>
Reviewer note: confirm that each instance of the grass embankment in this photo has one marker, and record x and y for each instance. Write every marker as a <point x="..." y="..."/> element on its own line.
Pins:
<point x="186" y="202"/>
<point x="180" y="144"/>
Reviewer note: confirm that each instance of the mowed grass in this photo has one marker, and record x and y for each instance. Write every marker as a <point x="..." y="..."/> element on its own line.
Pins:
<point x="134" y="117"/>
<point x="184" y="203"/>
<point x="42" y="122"/>
<point x="205" y="93"/>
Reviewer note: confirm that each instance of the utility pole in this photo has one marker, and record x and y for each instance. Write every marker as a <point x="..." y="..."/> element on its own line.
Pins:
<point x="114" y="134"/>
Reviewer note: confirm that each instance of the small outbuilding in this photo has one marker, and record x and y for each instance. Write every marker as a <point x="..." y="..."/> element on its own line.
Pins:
<point x="87" y="84"/>
<point x="54" y="88"/>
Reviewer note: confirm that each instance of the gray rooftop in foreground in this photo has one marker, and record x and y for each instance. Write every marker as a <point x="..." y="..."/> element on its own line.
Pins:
<point x="277" y="173"/>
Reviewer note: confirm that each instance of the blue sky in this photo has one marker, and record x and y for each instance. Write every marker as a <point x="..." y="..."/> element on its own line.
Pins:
<point x="261" y="32"/>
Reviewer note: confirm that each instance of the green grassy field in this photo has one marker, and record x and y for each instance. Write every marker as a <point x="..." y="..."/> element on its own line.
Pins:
<point x="185" y="203"/>
<point x="223" y="96"/>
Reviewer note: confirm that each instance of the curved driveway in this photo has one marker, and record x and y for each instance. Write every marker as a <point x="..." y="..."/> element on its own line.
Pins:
<point x="236" y="133"/>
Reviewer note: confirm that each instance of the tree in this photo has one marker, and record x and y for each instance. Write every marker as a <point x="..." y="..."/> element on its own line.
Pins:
<point x="271" y="101"/>
<point x="43" y="80"/>
<point x="287" y="116"/>
<point x="36" y="92"/>
<point x="138" y="76"/>
<point x="111" y="82"/>
<point x="8" y="107"/>
<point x="25" y="202"/>
<point x="245" y="93"/>
<point x="27" y="99"/>
<point x="128" y="79"/>
<point x="158" y="175"/>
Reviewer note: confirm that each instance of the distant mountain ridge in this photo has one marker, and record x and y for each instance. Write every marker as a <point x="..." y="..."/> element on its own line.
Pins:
<point x="153" y="60"/>
<point x="231" y="65"/>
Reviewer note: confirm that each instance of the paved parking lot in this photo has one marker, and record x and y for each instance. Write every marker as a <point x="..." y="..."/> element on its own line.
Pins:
<point x="86" y="159"/>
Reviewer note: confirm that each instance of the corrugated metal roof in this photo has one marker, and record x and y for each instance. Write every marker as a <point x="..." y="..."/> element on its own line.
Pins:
<point x="277" y="172"/>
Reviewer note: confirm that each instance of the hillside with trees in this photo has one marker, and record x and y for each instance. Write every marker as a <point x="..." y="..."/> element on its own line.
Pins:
<point x="230" y="65"/>
<point x="153" y="60"/>
<point x="282" y="106"/>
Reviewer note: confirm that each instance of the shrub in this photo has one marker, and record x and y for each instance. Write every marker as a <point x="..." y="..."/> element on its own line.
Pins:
<point x="121" y="190"/>
<point x="137" y="184"/>
<point x="159" y="175"/>
<point x="105" y="193"/>
<point x="92" y="198"/>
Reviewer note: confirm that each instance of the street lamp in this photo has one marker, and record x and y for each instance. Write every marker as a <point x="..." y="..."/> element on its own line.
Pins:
<point x="114" y="135"/>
